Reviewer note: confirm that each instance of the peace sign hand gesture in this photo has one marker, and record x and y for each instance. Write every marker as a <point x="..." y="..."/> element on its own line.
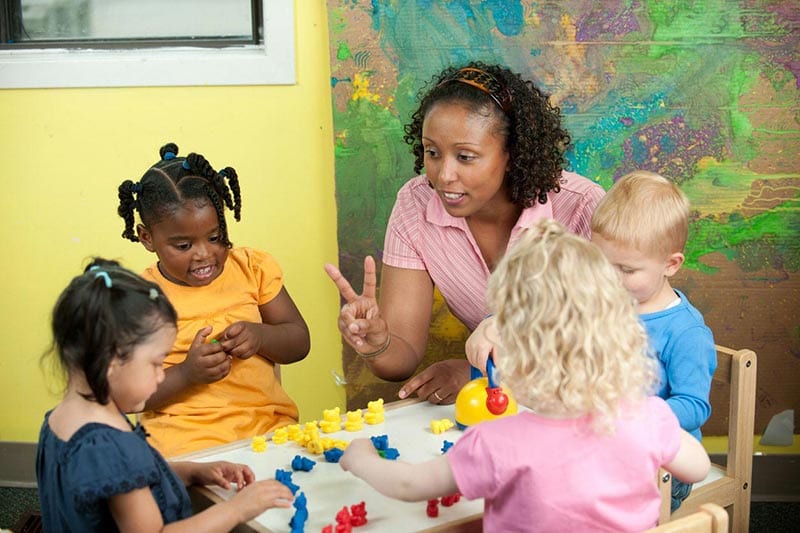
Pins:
<point x="360" y="319"/>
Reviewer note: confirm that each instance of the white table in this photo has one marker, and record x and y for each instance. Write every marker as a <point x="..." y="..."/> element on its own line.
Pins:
<point x="328" y="488"/>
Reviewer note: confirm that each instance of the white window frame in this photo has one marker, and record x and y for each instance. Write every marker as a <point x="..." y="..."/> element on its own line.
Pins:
<point x="272" y="63"/>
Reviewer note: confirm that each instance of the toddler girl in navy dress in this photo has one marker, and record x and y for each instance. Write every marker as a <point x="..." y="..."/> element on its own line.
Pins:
<point x="95" y="470"/>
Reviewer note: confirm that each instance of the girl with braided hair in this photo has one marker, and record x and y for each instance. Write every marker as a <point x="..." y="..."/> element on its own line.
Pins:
<point x="236" y="320"/>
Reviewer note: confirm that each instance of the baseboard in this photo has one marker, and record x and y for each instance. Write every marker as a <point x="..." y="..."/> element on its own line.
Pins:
<point x="18" y="464"/>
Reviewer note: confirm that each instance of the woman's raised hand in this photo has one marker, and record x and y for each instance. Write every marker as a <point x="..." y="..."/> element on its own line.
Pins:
<point x="360" y="319"/>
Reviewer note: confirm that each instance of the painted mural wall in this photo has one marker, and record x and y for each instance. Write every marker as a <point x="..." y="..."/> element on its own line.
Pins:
<point x="704" y="92"/>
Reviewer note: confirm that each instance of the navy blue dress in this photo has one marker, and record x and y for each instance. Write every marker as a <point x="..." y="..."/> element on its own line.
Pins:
<point x="76" y="478"/>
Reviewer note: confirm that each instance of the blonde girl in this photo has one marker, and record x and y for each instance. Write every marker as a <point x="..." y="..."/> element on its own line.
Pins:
<point x="584" y="454"/>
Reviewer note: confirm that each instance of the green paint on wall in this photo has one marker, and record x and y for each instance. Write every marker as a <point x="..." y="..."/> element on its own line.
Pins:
<point x="343" y="52"/>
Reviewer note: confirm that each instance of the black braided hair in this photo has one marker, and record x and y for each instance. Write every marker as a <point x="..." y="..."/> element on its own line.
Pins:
<point x="172" y="181"/>
<point x="104" y="314"/>
<point x="535" y="139"/>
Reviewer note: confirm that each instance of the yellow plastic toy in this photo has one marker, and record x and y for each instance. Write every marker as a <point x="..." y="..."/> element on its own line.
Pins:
<point x="482" y="399"/>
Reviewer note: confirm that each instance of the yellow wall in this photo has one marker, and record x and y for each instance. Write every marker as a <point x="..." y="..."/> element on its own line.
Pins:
<point x="65" y="151"/>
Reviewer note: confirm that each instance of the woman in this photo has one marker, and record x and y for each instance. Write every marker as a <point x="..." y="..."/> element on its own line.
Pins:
<point x="493" y="149"/>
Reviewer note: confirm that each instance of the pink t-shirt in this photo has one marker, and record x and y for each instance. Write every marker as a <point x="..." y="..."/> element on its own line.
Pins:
<point x="542" y="474"/>
<point x="421" y="235"/>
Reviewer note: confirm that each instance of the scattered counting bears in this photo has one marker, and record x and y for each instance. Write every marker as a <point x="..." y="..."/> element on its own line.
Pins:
<point x="451" y="499"/>
<point x="389" y="453"/>
<point x="331" y="420"/>
<point x="358" y="514"/>
<point x="259" y="443"/>
<point x="381" y="443"/>
<point x="375" y="413"/>
<point x="346" y="519"/>
<point x="280" y="436"/>
<point x="440" y="426"/>
<point x="433" y="508"/>
<point x="308" y="435"/>
<point x="297" y="523"/>
<point x="343" y="521"/>
<point x="354" y="421"/>
<point x="446" y="445"/>
<point x="333" y="455"/>
<point x="285" y="477"/>
<point x="302" y="463"/>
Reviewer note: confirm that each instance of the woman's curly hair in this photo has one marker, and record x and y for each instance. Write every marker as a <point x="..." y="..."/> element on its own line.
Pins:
<point x="535" y="139"/>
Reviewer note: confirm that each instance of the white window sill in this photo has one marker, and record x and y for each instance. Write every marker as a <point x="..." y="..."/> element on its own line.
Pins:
<point x="270" y="64"/>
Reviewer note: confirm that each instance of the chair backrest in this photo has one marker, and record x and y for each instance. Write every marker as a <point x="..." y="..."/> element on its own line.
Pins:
<point x="728" y="486"/>
<point x="709" y="518"/>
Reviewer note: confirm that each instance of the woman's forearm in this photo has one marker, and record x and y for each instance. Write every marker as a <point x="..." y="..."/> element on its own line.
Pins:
<point x="397" y="363"/>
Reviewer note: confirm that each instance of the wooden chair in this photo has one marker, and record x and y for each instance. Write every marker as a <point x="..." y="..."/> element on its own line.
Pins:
<point x="728" y="486"/>
<point x="710" y="518"/>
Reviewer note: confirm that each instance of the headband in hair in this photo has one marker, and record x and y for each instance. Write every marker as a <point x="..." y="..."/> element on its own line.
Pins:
<point x="169" y="155"/>
<point x="486" y="82"/>
<point x="136" y="188"/>
<point x="186" y="165"/>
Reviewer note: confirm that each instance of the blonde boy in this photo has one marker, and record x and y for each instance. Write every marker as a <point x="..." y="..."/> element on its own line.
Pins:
<point x="641" y="225"/>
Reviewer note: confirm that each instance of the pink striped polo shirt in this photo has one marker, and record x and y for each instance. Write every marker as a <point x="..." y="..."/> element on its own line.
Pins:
<point x="421" y="235"/>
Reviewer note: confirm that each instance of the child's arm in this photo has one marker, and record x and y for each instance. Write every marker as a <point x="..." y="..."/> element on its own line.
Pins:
<point x="398" y="479"/>
<point x="220" y="473"/>
<point x="282" y="337"/>
<point x="481" y="343"/>
<point x="688" y="372"/>
<point x="691" y="464"/>
<point x="137" y="511"/>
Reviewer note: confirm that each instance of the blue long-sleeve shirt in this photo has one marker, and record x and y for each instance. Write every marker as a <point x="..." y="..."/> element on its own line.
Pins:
<point x="685" y="349"/>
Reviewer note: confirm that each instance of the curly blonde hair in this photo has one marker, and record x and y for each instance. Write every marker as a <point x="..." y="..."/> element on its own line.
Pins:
<point x="571" y="343"/>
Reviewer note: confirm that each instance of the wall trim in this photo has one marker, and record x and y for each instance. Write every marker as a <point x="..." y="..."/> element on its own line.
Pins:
<point x="18" y="464"/>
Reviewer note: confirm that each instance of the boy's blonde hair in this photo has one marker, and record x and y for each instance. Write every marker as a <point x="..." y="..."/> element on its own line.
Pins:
<point x="646" y="211"/>
<point x="571" y="342"/>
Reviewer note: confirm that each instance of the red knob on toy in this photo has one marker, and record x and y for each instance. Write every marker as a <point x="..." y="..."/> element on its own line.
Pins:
<point x="496" y="400"/>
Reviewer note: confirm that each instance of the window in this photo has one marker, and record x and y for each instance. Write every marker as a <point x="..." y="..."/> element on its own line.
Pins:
<point x="80" y="43"/>
<point x="95" y="23"/>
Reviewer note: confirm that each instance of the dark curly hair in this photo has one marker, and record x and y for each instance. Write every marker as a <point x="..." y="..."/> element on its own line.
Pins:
<point x="535" y="140"/>
<point x="104" y="314"/>
<point x="171" y="182"/>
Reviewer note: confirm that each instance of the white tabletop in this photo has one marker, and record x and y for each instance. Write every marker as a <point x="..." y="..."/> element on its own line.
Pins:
<point x="328" y="488"/>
